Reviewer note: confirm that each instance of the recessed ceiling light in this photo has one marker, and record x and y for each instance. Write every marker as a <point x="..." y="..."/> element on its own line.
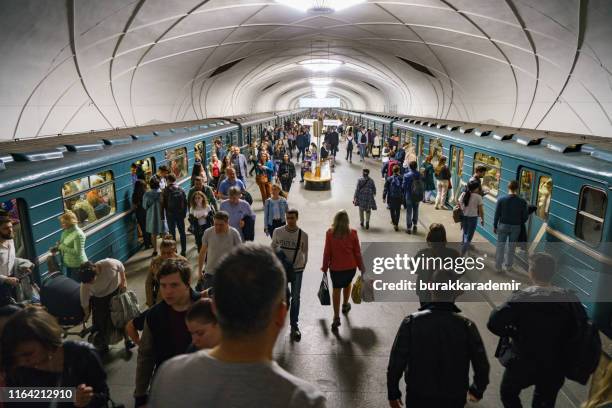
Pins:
<point x="320" y="6"/>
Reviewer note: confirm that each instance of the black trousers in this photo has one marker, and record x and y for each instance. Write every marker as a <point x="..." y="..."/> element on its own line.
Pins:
<point x="101" y="319"/>
<point x="417" y="401"/>
<point x="395" y="207"/>
<point x="517" y="378"/>
<point x="349" y="154"/>
<point x="141" y="218"/>
<point x="334" y="149"/>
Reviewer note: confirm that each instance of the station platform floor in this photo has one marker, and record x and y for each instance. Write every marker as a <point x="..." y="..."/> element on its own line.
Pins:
<point x="350" y="367"/>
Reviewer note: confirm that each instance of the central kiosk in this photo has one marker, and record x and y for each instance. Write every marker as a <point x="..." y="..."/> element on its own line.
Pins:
<point x="320" y="176"/>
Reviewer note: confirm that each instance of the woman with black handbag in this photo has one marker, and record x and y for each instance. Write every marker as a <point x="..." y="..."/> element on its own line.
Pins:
<point x="342" y="257"/>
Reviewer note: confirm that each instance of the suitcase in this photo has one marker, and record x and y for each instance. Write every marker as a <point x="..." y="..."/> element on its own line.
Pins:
<point x="61" y="296"/>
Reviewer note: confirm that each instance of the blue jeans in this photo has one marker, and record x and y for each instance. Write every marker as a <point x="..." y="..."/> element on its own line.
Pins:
<point x="302" y="152"/>
<point x="362" y="150"/>
<point x="173" y="224"/>
<point x="468" y="225"/>
<point x="510" y="233"/>
<point x="296" y="288"/>
<point x="412" y="212"/>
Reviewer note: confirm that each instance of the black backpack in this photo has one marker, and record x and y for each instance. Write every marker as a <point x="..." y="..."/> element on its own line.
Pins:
<point x="583" y="350"/>
<point x="395" y="187"/>
<point x="177" y="202"/>
<point x="417" y="190"/>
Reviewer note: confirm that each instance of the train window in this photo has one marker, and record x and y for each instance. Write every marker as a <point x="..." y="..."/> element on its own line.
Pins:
<point x="91" y="198"/>
<point x="13" y="208"/>
<point x="493" y="173"/>
<point x="591" y="214"/>
<point x="545" y="187"/>
<point x="435" y="150"/>
<point x="143" y="169"/>
<point x="228" y="140"/>
<point x="177" y="162"/>
<point x="457" y="160"/>
<point x="526" y="184"/>
<point x="200" y="152"/>
<point x="408" y="137"/>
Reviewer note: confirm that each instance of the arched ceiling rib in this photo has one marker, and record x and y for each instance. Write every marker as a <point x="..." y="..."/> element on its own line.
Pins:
<point x="81" y="65"/>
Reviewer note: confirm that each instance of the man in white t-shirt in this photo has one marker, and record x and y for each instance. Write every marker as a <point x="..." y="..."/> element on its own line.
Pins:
<point x="101" y="281"/>
<point x="293" y="241"/>
<point x="251" y="308"/>
<point x="217" y="241"/>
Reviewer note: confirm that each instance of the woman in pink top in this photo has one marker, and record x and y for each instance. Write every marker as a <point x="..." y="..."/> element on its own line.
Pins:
<point x="342" y="256"/>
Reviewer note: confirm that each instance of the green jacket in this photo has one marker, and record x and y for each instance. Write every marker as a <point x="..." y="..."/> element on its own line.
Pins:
<point x="72" y="247"/>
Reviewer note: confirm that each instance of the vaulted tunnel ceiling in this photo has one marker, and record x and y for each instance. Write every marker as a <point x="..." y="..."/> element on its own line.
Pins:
<point x="76" y="65"/>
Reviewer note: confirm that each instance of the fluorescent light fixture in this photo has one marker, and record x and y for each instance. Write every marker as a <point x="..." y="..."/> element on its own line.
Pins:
<point x="320" y="6"/>
<point x="320" y="81"/>
<point x="319" y="103"/>
<point x="320" y="91"/>
<point x="320" y="64"/>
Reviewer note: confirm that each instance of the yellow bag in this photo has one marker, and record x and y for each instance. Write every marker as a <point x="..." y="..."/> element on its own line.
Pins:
<point x="356" y="291"/>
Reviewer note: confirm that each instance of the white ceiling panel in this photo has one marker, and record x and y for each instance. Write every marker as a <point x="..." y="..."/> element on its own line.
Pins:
<point x="175" y="43"/>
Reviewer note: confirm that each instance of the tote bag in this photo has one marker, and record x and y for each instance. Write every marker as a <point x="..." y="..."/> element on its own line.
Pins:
<point x="323" y="293"/>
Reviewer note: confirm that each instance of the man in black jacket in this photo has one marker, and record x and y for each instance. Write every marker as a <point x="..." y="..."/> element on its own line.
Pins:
<point x="165" y="333"/>
<point x="433" y="349"/>
<point x="539" y="320"/>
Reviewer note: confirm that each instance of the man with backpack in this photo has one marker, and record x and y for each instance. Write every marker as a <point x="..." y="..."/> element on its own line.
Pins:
<point x="174" y="204"/>
<point x="545" y="337"/>
<point x="414" y="191"/>
<point x="394" y="195"/>
<point x="389" y="165"/>
<point x="362" y="141"/>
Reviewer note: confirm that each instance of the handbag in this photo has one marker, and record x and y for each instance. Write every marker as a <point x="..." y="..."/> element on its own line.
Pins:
<point x="124" y="307"/>
<point x="457" y="214"/>
<point x="323" y="293"/>
<point x="356" y="291"/>
<point x="504" y="352"/>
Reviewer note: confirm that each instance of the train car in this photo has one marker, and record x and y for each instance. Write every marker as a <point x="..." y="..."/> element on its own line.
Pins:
<point x="91" y="174"/>
<point x="566" y="177"/>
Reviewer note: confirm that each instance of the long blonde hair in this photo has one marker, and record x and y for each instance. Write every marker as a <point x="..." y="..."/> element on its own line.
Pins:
<point x="340" y="227"/>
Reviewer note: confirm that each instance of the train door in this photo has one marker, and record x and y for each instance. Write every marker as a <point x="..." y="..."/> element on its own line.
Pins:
<point x="536" y="188"/>
<point x="456" y="167"/>
<point x="420" y="148"/>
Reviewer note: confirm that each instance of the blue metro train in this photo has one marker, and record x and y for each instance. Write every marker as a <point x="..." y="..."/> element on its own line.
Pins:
<point x="567" y="177"/>
<point x="41" y="178"/>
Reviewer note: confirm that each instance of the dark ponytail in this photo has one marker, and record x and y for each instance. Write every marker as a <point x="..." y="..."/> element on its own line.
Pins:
<point x="472" y="186"/>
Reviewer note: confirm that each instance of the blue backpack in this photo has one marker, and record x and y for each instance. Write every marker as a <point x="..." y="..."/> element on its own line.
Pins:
<point x="395" y="187"/>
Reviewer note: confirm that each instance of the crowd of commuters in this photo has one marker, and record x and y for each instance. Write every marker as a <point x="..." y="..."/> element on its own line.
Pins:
<point x="207" y="335"/>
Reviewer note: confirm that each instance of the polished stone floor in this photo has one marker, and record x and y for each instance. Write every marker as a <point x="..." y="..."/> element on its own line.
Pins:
<point x="349" y="367"/>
